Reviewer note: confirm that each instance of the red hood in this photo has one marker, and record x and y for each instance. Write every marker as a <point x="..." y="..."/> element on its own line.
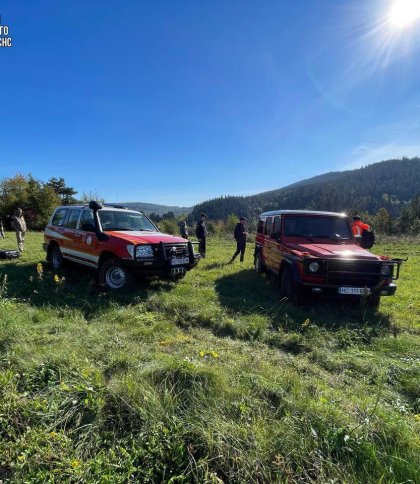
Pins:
<point x="346" y="251"/>
<point x="141" y="237"/>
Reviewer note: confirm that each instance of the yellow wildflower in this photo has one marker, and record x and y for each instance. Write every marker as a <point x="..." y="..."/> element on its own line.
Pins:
<point x="75" y="463"/>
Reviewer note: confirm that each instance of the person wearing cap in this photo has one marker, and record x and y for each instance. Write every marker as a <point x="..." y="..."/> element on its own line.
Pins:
<point x="201" y="234"/>
<point x="240" y="234"/>
<point x="19" y="226"/>
<point x="358" y="226"/>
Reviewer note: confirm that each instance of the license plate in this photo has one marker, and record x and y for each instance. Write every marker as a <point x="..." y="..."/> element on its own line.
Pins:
<point x="176" y="271"/>
<point x="181" y="261"/>
<point x="354" y="291"/>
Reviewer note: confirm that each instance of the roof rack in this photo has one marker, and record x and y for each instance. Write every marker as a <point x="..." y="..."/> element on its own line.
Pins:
<point x="114" y="206"/>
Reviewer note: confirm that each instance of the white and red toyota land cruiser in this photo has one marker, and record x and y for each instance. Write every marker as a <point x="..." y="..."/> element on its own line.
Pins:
<point x="117" y="242"/>
<point x="316" y="252"/>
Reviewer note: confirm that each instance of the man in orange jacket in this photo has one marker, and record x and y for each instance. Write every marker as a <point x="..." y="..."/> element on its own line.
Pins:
<point x="358" y="226"/>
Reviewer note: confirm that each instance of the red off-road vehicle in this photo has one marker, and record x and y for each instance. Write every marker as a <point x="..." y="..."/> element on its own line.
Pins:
<point x="316" y="252"/>
<point x="117" y="242"/>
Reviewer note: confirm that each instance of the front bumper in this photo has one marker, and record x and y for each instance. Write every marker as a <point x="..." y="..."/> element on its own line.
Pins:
<point x="333" y="290"/>
<point x="158" y="266"/>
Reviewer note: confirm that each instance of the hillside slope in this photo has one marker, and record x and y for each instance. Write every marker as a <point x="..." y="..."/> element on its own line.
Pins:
<point x="149" y="208"/>
<point x="390" y="184"/>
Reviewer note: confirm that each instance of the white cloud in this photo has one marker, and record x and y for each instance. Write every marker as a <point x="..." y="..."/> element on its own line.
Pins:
<point x="366" y="154"/>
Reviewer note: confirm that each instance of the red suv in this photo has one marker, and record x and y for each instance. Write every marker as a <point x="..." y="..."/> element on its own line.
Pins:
<point x="117" y="242"/>
<point x="316" y="252"/>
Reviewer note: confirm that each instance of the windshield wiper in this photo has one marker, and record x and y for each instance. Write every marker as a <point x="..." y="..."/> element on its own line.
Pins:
<point x="117" y="229"/>
<point x="336" y="239"/>
<point x="301" y="235"/>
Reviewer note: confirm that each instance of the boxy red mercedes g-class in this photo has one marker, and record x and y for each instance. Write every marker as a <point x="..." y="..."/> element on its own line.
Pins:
<point x="117" y="242"/>
<point x="316" y="252"/>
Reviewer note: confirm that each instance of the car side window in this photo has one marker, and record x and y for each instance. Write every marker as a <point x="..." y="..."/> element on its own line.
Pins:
<point x="268" y="225"/>
<point x="86" y="218"/>
<point x="73" y="218"/>
<point x="58" y="218"/>
<point x="276" y="225"/>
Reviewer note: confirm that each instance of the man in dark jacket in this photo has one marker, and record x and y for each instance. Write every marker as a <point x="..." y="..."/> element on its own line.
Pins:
<point x="240" y="237"/>
<point x="201" y="234"/>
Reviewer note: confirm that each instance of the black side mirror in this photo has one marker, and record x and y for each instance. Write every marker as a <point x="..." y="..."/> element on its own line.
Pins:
<point x="88" y="228"/>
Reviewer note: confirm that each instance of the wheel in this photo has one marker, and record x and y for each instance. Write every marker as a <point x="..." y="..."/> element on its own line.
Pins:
<point x="56" y="257"/>
<point x="113" y="276"/>
<point x="259" y="266"/>
<point x="288" y="288"/>
<point x="374" y="301"/>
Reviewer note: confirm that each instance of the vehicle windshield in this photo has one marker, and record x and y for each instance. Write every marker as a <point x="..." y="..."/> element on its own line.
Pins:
<point x="316" y="227"/>
<point x="122" y="220"/>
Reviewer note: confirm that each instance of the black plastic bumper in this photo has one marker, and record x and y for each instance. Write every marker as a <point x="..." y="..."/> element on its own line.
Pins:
<point x="157" y="266"/>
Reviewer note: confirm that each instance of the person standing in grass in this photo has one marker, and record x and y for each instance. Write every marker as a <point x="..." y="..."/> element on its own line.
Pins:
<point x="183" y="228"/>
<point x="240" y="234"/>
<point x="19" y="226"/>
<point x="2" y="229"/>
<point x="201" y="234"/>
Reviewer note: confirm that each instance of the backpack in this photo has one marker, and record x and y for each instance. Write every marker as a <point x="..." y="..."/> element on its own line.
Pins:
<point x="368" y="239"/>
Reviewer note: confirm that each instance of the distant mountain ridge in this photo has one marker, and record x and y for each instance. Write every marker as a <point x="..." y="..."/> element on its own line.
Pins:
<point x="389" y="184"/>
<point x="149" y="208"/>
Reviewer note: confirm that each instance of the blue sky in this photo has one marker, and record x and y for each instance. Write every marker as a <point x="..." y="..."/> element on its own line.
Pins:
<point x="178" y="101"/>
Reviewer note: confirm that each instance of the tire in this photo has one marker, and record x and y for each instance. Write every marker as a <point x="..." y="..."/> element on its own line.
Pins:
<point x="259" y="266"/>
<point x="288" y="287"/>
<point x="56" y="258"/>
<point x="113" y="276"/>
<point x="374" y="301"/>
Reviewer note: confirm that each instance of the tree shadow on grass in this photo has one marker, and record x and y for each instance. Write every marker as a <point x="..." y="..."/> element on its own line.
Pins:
<point x="73" y="287"/>
<point x="249" y="293"/>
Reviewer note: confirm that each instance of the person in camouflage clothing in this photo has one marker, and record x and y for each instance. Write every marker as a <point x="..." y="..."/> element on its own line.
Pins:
<point x="2" y="229"/>
<point x="19" y="226"/>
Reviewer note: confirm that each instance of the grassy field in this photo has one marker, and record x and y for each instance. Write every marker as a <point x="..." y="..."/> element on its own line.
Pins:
<point x="213" y="379"/>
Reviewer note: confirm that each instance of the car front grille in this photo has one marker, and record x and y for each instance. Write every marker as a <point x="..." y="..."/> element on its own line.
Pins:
<point x="175" y="251"/>
<point x="353" y="273"/>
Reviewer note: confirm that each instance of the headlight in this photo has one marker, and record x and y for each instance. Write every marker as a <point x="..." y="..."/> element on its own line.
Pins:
<point x="313" y="267"/>
<point x="386" y="270"/>
<point x="144" y="251"/>
<point x="130" y="250"/>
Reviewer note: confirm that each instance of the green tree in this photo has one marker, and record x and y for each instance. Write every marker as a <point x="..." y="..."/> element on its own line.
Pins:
<point x="383" y="222"/>
<point x="65" y="192"/>
<point x="36" y="198"/>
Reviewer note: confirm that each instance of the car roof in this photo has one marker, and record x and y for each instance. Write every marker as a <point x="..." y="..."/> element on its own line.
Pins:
<point x="300" y="212"/>
<point x="105" y="207"/>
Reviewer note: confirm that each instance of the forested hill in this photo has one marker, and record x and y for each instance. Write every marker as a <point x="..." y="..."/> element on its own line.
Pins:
<point x="389" y="184"/>
<point x="154" y="208"/>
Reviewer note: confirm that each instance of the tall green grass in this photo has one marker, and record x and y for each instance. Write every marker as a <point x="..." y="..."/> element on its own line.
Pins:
<point x="213" y="379"/>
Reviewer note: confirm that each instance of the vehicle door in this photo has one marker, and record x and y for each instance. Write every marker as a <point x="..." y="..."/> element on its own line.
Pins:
<point x="70" y="234"/>
<point x="55" y="229"/>
<point x="275" y="242"/>
<point x="272" y="237"/>
<point x="268" y="246"/>
<point x="86" y="242"/>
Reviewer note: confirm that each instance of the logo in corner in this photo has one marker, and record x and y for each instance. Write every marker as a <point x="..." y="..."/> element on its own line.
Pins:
<point x="5" y="39"/>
